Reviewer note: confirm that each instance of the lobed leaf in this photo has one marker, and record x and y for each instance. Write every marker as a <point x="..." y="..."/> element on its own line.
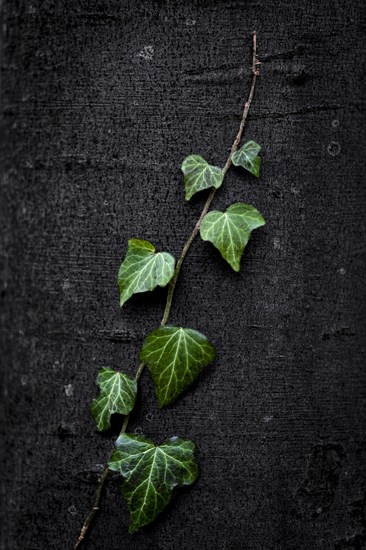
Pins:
<point x="151" y="473"/>
<point x="229" y="231"/>
<point x="143" y="269"/>
<point x="247" y="157"/>
<point x="175" y="357"/>
<point x="117" y="395"/>
<point x="199" y="175"/>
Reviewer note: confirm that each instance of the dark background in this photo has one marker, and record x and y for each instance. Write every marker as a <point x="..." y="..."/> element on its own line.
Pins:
<point x="101" y="101"/>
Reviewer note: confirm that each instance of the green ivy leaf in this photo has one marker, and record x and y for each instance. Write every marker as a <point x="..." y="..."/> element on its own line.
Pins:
<point x="175" y="357"/>
<point x="117" y="395"/>
<point x="199" y="175"/>
<point x="229" y="231"/>
<point x="151" y="473"/>
<point x="247" y="157"/>
<point x="143" y="269"/>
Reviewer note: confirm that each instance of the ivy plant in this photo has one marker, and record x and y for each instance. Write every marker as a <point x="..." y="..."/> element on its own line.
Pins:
<point x="175" y="356"/>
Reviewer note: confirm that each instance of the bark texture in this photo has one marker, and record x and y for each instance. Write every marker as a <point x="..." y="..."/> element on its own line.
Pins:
<point x="101" y="101"/>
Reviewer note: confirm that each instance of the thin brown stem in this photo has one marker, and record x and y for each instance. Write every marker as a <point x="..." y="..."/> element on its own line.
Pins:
<point x="89" y="518"/>
<point x="172" y="285"/>
<point x="186" y="247"/>
<point x="94" y="510"/>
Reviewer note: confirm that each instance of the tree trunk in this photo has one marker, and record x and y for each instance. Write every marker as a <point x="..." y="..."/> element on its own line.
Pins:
<point x="101" y="101"/>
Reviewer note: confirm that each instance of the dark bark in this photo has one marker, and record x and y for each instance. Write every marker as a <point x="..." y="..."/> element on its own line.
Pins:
<point x="101" y="101"/>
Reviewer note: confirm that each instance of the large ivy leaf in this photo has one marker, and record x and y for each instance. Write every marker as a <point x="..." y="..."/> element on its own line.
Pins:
<point x="199" y="175"/>
<point x="247" y="157"/>
<point x="229" y="231"/>
<point x="117" y="395"/>
<point x="175" y="357"/>
<point x="143" y="269"/>
<point x="151" y="473"/>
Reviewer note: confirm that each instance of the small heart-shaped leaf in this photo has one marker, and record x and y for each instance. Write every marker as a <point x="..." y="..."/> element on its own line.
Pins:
<point x="117" y="395"/>
<point x="175" y="357"/>
<point x="199" y="175"/>
<point x="143" y="269"/>
<point x="229" y="231"/>
<point x="151" y="472"/>
<point x="247" y="157"/>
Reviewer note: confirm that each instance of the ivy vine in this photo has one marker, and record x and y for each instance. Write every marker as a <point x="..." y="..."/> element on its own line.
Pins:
<point x="175" y="356"/>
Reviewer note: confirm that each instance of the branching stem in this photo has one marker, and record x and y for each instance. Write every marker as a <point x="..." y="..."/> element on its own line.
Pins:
<point x="172" y="285"/>
<point x="89" y="518"/>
